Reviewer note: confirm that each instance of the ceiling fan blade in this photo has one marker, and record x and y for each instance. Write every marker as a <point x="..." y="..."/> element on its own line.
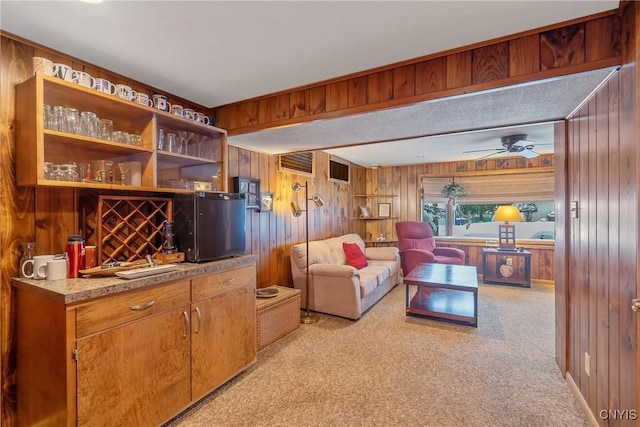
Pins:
<point x="489" y="155"/>
<point x="497" y="150"/>
<point x="529" y="154"/>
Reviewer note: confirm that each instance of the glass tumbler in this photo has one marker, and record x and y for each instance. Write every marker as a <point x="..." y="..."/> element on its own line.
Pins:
<point x="71" y="120"/>
<point x="172" y="144"/>
<point x="89" y="124"/>
<point x="57" y="119"/>
<point x="105" y="128"/>
<point x="47" y="113"/>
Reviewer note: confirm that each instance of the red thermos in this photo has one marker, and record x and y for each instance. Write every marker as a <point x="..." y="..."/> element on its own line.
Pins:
<point x="75" y="255"/>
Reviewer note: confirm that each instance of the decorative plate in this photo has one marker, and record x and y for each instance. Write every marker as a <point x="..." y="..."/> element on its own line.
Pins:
<point x="506" y="270"/>
<point x="267" y="292"/>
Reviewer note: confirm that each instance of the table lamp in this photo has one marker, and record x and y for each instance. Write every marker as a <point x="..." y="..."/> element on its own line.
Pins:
<point x="506" y="232"/>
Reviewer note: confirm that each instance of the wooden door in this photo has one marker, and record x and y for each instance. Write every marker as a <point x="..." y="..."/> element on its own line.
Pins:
<point x="223" y="338"/>
<point x="135" y="374"/>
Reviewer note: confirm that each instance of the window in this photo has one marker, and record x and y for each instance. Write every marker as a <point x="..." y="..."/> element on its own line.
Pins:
<point x="531" y="192"/>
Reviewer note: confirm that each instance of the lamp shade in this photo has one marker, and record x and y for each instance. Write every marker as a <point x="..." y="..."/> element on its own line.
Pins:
<point x="319" y="202"/>
<point x="508" y="213"/>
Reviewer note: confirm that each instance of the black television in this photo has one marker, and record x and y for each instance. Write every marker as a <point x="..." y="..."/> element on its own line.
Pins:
<point x="210" y="226"/>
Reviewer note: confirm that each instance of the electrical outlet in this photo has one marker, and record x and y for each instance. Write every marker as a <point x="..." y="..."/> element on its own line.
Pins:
<point x="587" y="364"/>
<point x="509" y="261"/>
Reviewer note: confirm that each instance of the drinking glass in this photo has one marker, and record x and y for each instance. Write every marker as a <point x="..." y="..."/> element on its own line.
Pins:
<point x="161" y="139"/>
<point x="57" y="119"/>
<point x="71" y="120"/>
<point x="70" y="171"/>
<point x="89" y="124"/>
<point x="171" y="143"/>
<point x="124" y="168"/>
<point x="47" y="113"/>
<point x="105" y="128"/>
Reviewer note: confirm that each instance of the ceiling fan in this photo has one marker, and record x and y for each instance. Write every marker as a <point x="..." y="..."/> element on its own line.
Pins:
<point x="517" y="144"/>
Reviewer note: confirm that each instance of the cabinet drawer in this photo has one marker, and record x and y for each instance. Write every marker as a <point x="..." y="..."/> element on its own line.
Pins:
<point x="122" y="308"/>
<point x="218" y="283"/>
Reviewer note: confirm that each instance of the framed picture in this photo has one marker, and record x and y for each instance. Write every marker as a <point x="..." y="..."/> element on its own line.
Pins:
<point x="266" y="202"/>
<point x="249" y="186"/>
<point x="384" y="210"/>
<point x="364" y="212"/>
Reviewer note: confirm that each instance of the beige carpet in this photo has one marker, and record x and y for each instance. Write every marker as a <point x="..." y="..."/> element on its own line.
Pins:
<point x="391" y="370"/>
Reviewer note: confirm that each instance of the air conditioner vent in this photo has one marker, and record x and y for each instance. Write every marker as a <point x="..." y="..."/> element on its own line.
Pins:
<point x="297" y="162"/>
<point x="338" y="169"/>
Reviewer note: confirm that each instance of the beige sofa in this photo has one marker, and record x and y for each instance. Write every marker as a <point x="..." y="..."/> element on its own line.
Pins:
<point x="337" y="288"/>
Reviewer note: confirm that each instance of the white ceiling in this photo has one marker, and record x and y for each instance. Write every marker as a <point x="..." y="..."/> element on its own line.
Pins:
<point x="217" y="52"/>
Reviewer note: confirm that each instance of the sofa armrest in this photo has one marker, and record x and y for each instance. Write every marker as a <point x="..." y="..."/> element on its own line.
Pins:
<point x="333" y="270"/>
<point x="412" y="257"/>
<point x="450" y="252"/>
<point x="386" y="253"/>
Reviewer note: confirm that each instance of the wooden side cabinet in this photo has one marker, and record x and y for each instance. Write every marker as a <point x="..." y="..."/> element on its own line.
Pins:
<point x="135" y="357"/>
<point x="506" y="268"/>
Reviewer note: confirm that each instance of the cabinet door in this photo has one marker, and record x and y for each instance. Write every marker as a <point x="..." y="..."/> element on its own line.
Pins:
<point x="135" y="374"/>
<point x="223" y="337"/>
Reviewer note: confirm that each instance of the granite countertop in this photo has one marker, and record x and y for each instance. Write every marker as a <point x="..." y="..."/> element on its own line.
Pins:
<point x="71" y="291"/>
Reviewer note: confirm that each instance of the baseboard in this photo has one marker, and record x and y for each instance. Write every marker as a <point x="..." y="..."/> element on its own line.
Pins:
<point x="533" y="281"/>
<point x="583" y="403"/>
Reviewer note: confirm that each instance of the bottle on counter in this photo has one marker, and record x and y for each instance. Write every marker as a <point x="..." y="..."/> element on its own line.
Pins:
<point x="26" y="269"/>
<point x="75" y="255"/>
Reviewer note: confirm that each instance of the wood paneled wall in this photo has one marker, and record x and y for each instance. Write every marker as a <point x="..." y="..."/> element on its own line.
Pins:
<point x="42" y="215"/>
<point x="404" y="181"/>
<point x="602" y="242"/>
<point x="270" y="235"/>
<point x="48" y="215"/>
<point x="566" y="48"/>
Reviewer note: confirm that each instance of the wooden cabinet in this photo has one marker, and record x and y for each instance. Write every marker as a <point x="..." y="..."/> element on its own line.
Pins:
<point x="136" y="374"/>
<point x="221" y="348"/>
<point x="136" y="357"/>
<point x="41" y="150"/>
<point x="506" y="267"/>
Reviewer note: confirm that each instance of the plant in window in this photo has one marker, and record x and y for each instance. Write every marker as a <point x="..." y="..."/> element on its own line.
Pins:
<point x="453" y="190"/>
<point x="431" y="214"/>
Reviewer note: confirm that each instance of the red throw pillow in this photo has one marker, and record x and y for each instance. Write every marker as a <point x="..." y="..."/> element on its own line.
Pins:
<point x="355" y="257"/>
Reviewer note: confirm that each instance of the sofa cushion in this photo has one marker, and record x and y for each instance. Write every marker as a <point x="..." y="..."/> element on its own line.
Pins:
<point x="355" y="256"/>
<point x="319" y="253"/>
<point x="368" y="282"/>
<point x="382" y="269"/>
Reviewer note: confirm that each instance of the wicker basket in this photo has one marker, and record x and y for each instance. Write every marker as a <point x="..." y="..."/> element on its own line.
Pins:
<point x="277" y="316"/>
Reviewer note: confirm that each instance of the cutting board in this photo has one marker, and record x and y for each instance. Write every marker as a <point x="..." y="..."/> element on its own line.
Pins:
<point x="111" y="271"/>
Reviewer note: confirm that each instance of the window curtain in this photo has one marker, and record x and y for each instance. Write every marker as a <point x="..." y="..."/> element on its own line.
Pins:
<point x="494" y="188"/>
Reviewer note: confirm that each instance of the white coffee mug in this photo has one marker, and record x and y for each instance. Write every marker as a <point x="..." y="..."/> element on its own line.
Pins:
<point x="143" y="99"/>
<point x="125" y="92"/>
<point x="188" y="113"/>
<point x="54" y="269"/>
<point x="161" y="102"/>
<point x="177" y="110"/>
<point x="42" y="65"/>
<point x="83" y="79"/>
<point x="37" y="262"/>
<point x="63" y="71"/>
<point x="104" y="85"/>
<point x="201" y="118"/>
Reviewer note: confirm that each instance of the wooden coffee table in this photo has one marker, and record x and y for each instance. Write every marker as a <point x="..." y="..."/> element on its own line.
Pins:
<point x="443" y="292"/>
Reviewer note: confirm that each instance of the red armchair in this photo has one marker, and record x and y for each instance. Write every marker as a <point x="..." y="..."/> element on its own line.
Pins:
<point x="417" y="245"/>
